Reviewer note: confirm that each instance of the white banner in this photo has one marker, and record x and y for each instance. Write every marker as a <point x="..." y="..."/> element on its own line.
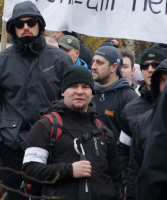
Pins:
<point x="130" y="19"/>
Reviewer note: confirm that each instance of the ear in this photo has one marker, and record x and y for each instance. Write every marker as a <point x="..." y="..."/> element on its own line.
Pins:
<point x="62" y="94"/>
<point x="133" y="71"/>
<point x="77" y="53"/>
<point x="114" y="67"/>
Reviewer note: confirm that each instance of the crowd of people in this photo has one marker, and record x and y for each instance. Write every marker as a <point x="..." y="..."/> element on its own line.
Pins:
<point x="78" y="125"/>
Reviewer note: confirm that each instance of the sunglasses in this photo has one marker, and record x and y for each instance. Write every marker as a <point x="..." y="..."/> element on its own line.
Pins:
<point x="30" y="22"/>
<point x="145" y="66"/>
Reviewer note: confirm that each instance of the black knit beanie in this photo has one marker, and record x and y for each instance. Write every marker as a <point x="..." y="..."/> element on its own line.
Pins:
<point x="154" y="53"/>
<point x="77" y="74"/>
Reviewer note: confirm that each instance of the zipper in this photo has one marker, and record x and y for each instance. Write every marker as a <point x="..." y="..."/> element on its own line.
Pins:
<point x="96" y="146"/>
<point x="102" y="98"/>
<point x="93" y="174"/>
<point x="51" y="87"/>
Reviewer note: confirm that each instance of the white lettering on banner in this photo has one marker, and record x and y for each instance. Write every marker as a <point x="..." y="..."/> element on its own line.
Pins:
<point x="131" y="19"/>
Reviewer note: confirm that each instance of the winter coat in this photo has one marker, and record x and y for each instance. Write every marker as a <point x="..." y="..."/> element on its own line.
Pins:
<point x="128" y="119"/>
<point x="140" y="136"/>
<point x="85" y="54"/>
<point x="137" y="149"/>
<point x="105" y="181"/>
<point x="110" y="103"/>
<point x="81" y="62"/>
<point x="153" y="174"/>
<point x="30" y="79"/>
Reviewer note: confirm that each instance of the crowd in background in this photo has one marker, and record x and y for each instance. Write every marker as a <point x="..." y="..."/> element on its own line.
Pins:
<point x="39" y="74"/>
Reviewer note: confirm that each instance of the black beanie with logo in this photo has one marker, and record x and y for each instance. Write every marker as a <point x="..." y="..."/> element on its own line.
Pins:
<point x="77" y="74"/>
<point x="154" y="53"/>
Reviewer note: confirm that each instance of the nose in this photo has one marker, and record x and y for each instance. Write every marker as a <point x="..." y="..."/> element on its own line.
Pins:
<point x="150" y="68"/>
<point x="26" y="26"/>
<point x="54" y="34"/>
<point x="93" y="65"/>
<point x="79" y="90"/>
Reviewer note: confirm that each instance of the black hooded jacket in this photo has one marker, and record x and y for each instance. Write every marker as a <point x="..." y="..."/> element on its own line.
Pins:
<point x="30" y="79"/>
<point x="85" y="54"/>
<point x="152" y="162"/>
<point x="105" y="180"/>
<point x="140" y="135"/>
<point x="110" y="103"/>
<point x="128" y="119"/>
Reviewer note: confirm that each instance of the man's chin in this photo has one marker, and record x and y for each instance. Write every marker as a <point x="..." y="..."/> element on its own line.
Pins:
<point x="79" y="107"/>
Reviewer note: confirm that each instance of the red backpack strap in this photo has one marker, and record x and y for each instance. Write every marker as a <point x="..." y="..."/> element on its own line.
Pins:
<point x="60" y="122"/>
<point x="56" y="123"/>
<point x="97" y="121"/>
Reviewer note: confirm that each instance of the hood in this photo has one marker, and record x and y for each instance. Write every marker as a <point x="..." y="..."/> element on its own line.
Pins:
<point x="155" y="79"/>
<point x="145" y="93"/>
<point x="60" y="107"/>
<point x="24" y="9"/>
<point x="120" y="84"/>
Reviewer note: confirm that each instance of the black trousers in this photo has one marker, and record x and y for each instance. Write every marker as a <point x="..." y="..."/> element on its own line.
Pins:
<point x="13" y="159"/>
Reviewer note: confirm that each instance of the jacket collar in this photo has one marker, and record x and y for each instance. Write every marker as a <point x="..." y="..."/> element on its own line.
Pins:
<point x="34" y="47"/>
<point x="145" y="93"/>
<point x="60" y="107"/>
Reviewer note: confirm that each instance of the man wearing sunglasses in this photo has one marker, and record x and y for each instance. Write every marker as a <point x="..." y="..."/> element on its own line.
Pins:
<point x="30" y="78"/>
<point x="150" y="60"/>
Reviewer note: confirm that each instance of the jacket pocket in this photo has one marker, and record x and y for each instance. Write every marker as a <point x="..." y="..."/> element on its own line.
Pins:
<point x="9" y="132"/>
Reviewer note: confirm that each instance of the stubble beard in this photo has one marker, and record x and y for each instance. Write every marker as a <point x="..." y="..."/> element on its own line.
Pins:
<point x="78" y="107"/>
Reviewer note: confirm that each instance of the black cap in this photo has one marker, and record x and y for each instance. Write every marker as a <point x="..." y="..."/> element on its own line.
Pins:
<point x="77" y="74"/>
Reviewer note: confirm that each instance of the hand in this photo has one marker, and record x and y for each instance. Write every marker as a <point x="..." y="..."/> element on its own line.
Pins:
<point x="81" y="169"/>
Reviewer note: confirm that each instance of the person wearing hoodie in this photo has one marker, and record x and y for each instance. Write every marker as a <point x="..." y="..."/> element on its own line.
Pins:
<point x="142" y="130"/>
<point x="85" y="53"/>
<point x="113" y="91"/>
<point x="150" y="60"/>
<point x="95" y="175"/>
<point x="30" y="79"/>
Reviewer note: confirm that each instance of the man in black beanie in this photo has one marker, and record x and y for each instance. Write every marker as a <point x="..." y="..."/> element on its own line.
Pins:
<point x="85" y="53"/>
<point x="31" y="72"/>
<point x="150" y="60"/>
<point x="87" y="162"/>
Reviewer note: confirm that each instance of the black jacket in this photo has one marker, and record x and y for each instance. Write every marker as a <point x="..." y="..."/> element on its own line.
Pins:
<point x="140" y="136"/>
<point x="30" y="79"/>
<point x="153" y="174"/>
<point x="128" y="119"/>
<point x="85" y="54"/>
<point x="138" y="146"/>
<point x="105" y="180"/>
<point x="111" y="102"/>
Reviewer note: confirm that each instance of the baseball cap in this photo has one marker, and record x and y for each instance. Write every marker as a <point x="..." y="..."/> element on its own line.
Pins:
<point x="113" y="55"/>
<point x="69" y="42"/>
